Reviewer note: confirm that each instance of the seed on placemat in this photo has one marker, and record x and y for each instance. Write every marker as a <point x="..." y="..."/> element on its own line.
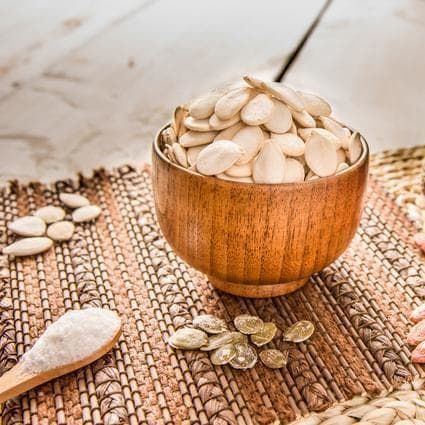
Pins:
<point x="239" y="338"/>
<point x="248" y="324"/>
<point x="218" y="340"/>
<point x="188" y="339"/>
<point x="210" y="324"/>
<point x="223" y="354"/>
<point x="299" y="331"/>
<point x="265" y="335"/>
<point x="28" y="226"/>
<point x="246" y="357"/>
<point x="28" y="246"/>
<point x="50" y="214"/>
<point x="61" y="230"/>
<point x="274" y="359"/>
<point x="73" y="200"/>
<point x="87" y="213"/>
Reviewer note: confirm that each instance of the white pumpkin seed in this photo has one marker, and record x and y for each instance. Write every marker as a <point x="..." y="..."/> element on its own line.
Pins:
<point x="223" y="176"/>
<point x="327" y="135"/>
<point x="286" y="95"/>
<point x="269" y="166"/>
<point x="210" y="324"/>
<point x="188" y="339"/>
<point x="193" y="153"/>
<point x="180" y="114"/>
<point x="258" y="110"/>
<point x="73" y="200"/>
<point x="195" y="138"/>
<point x="250" y="140"/>
<point x="87" y="213"/>
<point x="304" y="119"/>
<point x="294" y="171"/>
<point x="290" y="144"/>
<point x="274" y="359"/>
<point x="218" y="157"/>
<point x="336" y="129"/>
<point x="50" y="214"/>
<point x="340" y="155"/>
<point x="218" y="124"/>
<point x="305" y="133"/>
<point x="28" y="246"/>
<point x="197" y="125"/>
<point x="354" y="147"/>
<point x="277" y="90"/>
<point x="203" y="107"/>
<point x="231" y="103"/>
<point x="243" y="170"/>
<point x="180" y="154"/>
<point x="347" y="134"/>
<point x="28" y="226"/>
<point x="228" y="133"/>
<point x="321" y="156"/>
<point x="281" y="118"/>
<point x="314" y="104"/>
<point x="169" y="136"/>
<point x="61" y="230"/>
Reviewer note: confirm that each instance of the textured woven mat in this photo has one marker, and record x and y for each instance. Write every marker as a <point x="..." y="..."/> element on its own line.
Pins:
<point x="359" y="305"/>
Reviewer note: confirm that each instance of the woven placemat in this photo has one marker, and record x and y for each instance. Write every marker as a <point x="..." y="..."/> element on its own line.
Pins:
<point x="359" y="305"/>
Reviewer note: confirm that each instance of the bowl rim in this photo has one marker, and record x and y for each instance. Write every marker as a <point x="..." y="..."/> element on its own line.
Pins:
<point x="359" y="163"/>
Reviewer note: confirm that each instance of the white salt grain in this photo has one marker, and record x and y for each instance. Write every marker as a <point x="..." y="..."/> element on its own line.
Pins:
<point x="73" y="337"/>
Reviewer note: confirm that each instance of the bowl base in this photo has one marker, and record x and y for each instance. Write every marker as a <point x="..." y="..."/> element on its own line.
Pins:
<point x="257" y="291"/>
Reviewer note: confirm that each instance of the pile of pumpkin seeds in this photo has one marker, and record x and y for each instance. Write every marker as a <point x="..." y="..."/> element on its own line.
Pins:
<point x="210" y="333"/>
<point x="48" y="224"/>
<point x="260" y="132"/>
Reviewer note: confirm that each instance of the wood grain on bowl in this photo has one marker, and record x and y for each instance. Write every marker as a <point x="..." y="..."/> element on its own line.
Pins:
<point x="257" y="240"/>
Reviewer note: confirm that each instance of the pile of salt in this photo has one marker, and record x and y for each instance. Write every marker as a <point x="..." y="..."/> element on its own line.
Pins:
<point x="73" y="337"/>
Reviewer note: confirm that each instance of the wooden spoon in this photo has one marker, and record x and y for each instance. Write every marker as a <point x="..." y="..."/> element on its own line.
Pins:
<point x="17" y="380"/>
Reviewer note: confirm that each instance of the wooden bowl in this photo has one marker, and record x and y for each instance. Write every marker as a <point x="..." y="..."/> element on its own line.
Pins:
<point x="257" y="240"/>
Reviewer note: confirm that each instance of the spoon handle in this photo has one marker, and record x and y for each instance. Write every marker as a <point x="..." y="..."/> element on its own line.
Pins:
<point x="15" y="381"/>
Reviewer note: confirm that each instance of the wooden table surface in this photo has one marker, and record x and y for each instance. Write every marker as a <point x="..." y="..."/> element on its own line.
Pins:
<point x="88" y="83"/>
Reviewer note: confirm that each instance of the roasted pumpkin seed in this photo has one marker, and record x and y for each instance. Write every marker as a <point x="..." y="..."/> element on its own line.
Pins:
<point x="299" y="331"/>
<point x="248" y="324"/>
<point x="245" y="358"/>
<point x="274" y="359"/>
<point x="265" y="335"/>
<point x="223" y="354"/>
<point x="188" y="339"/>
<point x="210" y="324"/>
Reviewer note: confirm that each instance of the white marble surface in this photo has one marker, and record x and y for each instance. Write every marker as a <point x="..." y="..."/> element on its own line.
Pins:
<point x="98" y="99"/>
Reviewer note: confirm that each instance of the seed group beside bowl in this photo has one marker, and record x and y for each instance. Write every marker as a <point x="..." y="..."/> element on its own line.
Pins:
<point x="261" y="132"/>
